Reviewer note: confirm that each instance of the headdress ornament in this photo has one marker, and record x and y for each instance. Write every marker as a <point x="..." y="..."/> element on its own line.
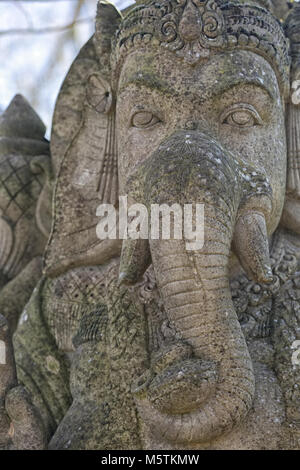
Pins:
<point x="193" y="29"/>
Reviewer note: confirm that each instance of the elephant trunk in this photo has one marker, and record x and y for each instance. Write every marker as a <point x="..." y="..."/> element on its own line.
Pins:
<point x="195" y="284"/>
<point x="197" y="299"/>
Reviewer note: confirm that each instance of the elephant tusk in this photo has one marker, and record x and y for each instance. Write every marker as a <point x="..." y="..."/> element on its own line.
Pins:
<point x="250" y="243"/>
<point x="135" y="259"/>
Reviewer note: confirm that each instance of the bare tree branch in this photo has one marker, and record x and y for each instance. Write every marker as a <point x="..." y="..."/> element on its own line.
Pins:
<point x="51" y="29"/>
<point x="35" y="1"/>
<point x="70" y="22"/>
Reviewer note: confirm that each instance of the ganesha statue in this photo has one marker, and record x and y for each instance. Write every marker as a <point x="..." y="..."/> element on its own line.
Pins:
<point x="25" y="205"/>
<point x="142" y="342"/>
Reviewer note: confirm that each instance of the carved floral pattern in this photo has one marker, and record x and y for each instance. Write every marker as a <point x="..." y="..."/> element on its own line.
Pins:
<point x="192" y="28"/>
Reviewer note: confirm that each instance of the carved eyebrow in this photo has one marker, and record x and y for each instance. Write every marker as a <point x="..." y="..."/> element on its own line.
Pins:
<point x="149" y="81"/>
<point x="257" y="82"/>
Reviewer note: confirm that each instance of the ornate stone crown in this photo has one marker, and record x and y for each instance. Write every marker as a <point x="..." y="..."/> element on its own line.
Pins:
<point x="292" y="30"/>
<point x="194" y="28"/>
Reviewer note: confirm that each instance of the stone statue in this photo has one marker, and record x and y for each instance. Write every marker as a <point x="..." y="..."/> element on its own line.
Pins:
<point x="25" y="205"/>
<point x="141" y="343"/>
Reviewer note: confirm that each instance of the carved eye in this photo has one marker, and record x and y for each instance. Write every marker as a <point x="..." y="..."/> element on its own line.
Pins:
<point x="241" y="116"/>
<point x="144" y="119"/>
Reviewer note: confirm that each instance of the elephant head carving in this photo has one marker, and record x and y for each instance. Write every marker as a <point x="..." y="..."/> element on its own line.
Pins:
<point x="166" y="160"/>
<point x="183" y="101"/>
<point x="25" y="203"/>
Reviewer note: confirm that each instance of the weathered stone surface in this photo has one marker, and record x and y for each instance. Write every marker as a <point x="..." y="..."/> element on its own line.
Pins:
<point x="25" y="205"/>
<point x="145" y="344"/>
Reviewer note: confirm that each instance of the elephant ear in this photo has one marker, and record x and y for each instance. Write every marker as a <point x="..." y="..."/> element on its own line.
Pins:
<point x="41" y="165"/>
<point x="291" y="211"/>
<point x="84" y="140"/>
<point x="70" y="102"/>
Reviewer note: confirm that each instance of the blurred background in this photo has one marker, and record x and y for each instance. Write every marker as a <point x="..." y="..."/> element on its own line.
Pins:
<point x="39" y="40"/>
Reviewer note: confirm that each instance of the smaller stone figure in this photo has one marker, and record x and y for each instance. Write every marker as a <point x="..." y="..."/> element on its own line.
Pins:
<point x="25" y="205"/>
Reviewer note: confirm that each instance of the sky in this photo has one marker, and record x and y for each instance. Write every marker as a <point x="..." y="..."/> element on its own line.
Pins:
<point x="36" y="64"/>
